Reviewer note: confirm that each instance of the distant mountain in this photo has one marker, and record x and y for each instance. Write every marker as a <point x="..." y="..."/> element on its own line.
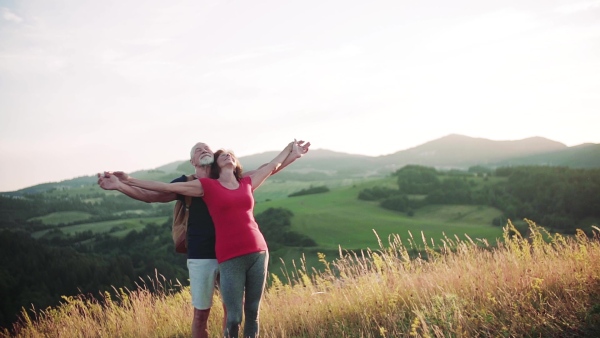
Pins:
<point x="581" y="156"/>
<point x="452" y="151"/>
<point x="458" y="151"/>
<point x="173" y="166"/>
<point x="317" y="160"/>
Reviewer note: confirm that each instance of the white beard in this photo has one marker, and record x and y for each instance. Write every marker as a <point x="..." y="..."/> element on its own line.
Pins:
<point x="207" y="160"/>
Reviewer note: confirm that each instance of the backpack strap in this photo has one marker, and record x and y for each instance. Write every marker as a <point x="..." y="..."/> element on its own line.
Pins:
<point x="188" y="199"/>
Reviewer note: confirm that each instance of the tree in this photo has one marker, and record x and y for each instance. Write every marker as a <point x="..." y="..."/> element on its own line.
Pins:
<point x="416" y="179"/>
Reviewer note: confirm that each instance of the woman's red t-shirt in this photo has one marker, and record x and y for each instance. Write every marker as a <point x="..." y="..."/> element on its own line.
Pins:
<point x="232" y="211"/>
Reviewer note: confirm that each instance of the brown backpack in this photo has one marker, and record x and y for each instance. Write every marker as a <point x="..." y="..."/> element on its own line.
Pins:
<point x="181" y="214"/>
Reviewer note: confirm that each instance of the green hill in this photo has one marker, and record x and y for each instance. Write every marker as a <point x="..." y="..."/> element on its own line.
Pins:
<point x="452" y="151"/>
<point x="582" y="156"/>
<point x="339" y="218"/>
<point x="334" y="218"/>
<point x="98" y="229"/>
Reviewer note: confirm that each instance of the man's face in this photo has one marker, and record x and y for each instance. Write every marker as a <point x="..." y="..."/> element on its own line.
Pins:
<point x="202" y="155"/>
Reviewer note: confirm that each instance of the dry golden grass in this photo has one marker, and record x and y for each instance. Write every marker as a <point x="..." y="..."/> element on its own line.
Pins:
<point x="138" y="313"/>
<point x="543" y="285"/>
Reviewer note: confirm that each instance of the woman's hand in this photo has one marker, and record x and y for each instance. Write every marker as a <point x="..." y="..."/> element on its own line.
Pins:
<point x="299" y="148"/>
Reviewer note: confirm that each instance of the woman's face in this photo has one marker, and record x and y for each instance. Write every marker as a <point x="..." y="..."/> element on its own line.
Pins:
<point x="226" y="158"/>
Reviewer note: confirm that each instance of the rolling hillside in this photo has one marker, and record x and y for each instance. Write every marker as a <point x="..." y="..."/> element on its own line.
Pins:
<point x="452" y="151"/>
<point x="104" y="229"/>
<point x="581" y="156"/>
<point x="462" y="151"/>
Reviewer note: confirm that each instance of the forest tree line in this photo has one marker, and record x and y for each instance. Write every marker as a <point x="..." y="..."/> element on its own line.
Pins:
<point x="17" y="212"/>
<point x="558" y="198"/>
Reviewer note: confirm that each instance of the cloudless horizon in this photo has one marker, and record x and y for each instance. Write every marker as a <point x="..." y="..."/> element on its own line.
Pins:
<point x="113" y="85"/>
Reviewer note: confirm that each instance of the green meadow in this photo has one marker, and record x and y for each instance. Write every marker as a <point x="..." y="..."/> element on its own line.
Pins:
<point x="62" y="217"/>
<point x="275" y="188"/>
<point x="440" y="270"/>
<point x="543" y="285"/>
<point x="333" y="219"/>
<point x="124" y="226"/>
<point x="338" y="220"/>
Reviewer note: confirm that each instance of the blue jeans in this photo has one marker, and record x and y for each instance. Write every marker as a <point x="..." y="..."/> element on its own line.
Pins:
<point x="249" y="273"/>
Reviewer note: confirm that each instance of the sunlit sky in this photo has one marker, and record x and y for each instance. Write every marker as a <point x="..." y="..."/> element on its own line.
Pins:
<point x="87" y="86"/>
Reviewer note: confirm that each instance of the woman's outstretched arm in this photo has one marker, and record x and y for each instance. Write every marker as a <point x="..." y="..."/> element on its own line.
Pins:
<point x="298" y="150"/>
<point x="189" y="188"/>
<point x="296" y="153"/>
<point x="262" y="173"/>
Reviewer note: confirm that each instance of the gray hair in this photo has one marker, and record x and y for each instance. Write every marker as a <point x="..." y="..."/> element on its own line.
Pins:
<point x="194" y="148"/>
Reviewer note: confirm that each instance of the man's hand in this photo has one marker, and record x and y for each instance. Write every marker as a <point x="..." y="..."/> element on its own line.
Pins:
<point x="107" y="181"/>
<point x="123" y="177"/>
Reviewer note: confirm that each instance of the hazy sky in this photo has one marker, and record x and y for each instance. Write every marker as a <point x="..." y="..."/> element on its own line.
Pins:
<point x="87" y="86"/>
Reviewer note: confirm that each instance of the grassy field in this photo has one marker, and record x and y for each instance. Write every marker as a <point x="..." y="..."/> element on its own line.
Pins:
<point x="544" y="285"/>
<point x="275" y="189"/>
<point x="334" y="219"/>
<point x="82" y="190"/>
<point x="541" y="286"/>
<point x="63" y="217"/>
<point x="102" y="227"/>
<point x="137" y="212"/>
<point x="339" y="218"/>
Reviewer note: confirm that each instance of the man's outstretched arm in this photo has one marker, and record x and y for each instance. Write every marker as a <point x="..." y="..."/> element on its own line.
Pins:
<point x="108" y="181"/>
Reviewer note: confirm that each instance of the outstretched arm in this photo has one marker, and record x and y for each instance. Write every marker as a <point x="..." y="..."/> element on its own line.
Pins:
<point x="295" y="154"/>
<point x="298" y="151"/>
<point x="262" y="173"/>
<point x="107" y="181"/>
<point x="189" y="188"/>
